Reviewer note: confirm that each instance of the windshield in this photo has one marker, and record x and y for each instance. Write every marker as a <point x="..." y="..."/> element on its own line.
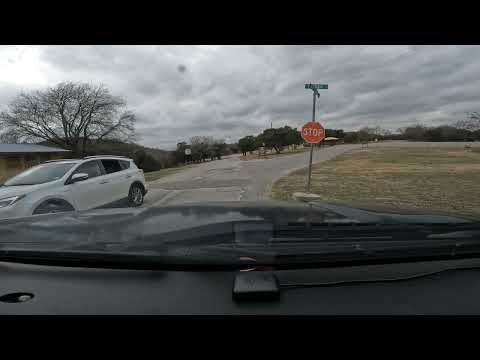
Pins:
<point x="216" y="154"/>
<point x="40" y="174"/>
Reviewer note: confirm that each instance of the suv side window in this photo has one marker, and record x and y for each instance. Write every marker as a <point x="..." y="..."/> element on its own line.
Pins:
<point x="111" y="166"/>
<point x="91" y="168"/>
<point x="125" y="164"/>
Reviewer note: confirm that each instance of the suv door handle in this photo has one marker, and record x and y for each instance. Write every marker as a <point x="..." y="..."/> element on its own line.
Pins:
<point x="128" y="176"/>
<point x="104" y="182"/>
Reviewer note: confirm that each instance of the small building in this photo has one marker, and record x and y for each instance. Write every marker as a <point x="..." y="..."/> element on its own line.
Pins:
<point x="331" y="140"/>
<point x="14" y="158"/>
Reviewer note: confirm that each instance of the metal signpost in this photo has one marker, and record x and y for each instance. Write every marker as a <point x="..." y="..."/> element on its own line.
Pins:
<point x="315" y="88"/>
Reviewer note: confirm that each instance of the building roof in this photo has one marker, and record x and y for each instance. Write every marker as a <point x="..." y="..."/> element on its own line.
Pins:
<point x="29" y="148"/>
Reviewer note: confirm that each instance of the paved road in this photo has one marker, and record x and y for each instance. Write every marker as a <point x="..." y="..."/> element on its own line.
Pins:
<point x="232" y="179"/>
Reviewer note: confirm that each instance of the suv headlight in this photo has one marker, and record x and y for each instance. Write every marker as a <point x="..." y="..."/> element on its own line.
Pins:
<point x="10" y="200"/>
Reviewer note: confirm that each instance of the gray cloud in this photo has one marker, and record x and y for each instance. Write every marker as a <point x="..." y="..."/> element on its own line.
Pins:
<point x="231" y="91"/>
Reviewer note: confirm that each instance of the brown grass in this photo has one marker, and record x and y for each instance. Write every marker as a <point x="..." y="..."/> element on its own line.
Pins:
<point x="437" y="179"/>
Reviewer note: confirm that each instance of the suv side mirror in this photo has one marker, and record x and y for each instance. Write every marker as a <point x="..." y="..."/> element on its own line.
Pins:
<point x="79" y="177"/>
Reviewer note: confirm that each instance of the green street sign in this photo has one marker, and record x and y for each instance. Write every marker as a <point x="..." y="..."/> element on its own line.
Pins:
<point x="316" y="86"/>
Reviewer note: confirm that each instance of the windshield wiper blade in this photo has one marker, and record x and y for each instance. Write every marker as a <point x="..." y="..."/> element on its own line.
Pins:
<point x="147" y="260"/>
<point x="365" y="232"/>
<point x="71" y="258"/>
<point x="379" y="251"/>
<point x="358" y="225"/>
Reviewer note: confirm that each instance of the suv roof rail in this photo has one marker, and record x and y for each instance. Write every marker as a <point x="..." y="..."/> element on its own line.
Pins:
<point x="97" y="156"/>
<point x="56" y="160"/>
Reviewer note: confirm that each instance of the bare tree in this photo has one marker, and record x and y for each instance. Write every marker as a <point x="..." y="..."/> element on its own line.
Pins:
<point x="70" y="115"/>
<point x="9" y="137"/>
<point x="470" y="124"/>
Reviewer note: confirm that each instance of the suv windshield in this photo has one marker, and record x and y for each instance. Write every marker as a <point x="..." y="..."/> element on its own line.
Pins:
<point x="41" y="174"/>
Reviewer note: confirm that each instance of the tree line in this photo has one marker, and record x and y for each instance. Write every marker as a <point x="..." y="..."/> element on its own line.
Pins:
<point x="273" y="138"/>
<point x="280" y="138"/>
<point x="436" y="133"/>
<point x="201" y="148"/>
<point x="462" y="130"/>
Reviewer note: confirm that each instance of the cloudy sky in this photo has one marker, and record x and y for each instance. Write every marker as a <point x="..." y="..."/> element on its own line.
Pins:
<point x="231" y="91"/>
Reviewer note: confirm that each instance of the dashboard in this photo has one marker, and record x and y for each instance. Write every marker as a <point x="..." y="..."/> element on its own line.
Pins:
<point x="433" y="287"/>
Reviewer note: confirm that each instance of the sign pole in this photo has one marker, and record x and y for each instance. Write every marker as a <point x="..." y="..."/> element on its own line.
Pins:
<point x="313" y="132"/>
<point x="311" y="145"/>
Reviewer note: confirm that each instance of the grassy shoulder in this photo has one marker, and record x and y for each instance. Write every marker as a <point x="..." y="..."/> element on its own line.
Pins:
<point x="436" y="179"/>
<point x="155" y="175"/>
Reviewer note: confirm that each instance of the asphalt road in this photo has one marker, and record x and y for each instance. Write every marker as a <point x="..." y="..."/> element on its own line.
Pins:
<point x="232" y="179"/>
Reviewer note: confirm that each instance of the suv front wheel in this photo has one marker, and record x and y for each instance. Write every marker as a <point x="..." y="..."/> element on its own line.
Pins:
<point x="53" y="206"/>
<point x="135" y="195"/>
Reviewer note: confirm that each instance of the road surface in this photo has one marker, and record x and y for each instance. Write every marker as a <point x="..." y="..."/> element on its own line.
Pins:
<point x="232" y="179"/>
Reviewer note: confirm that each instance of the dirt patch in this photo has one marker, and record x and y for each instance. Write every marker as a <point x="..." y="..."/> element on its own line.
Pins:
<point x="436" y="179"/>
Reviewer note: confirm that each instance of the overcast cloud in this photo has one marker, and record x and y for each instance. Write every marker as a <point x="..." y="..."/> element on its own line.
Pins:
<point x="232" y="91"/>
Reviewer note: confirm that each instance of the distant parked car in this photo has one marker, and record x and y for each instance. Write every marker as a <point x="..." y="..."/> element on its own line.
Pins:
<point x="73" y="184"/>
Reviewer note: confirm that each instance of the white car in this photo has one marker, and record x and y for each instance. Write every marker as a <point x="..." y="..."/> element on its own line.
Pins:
<point x="73" y="184"/>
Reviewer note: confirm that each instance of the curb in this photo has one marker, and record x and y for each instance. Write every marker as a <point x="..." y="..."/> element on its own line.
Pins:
<point x="305" y="197"/>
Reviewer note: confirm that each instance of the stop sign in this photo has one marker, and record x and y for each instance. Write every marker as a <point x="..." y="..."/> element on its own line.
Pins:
<point x="313" y="132"/>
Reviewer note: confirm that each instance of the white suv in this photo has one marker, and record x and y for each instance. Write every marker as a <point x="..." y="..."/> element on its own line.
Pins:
<point x="73" y="184"/>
